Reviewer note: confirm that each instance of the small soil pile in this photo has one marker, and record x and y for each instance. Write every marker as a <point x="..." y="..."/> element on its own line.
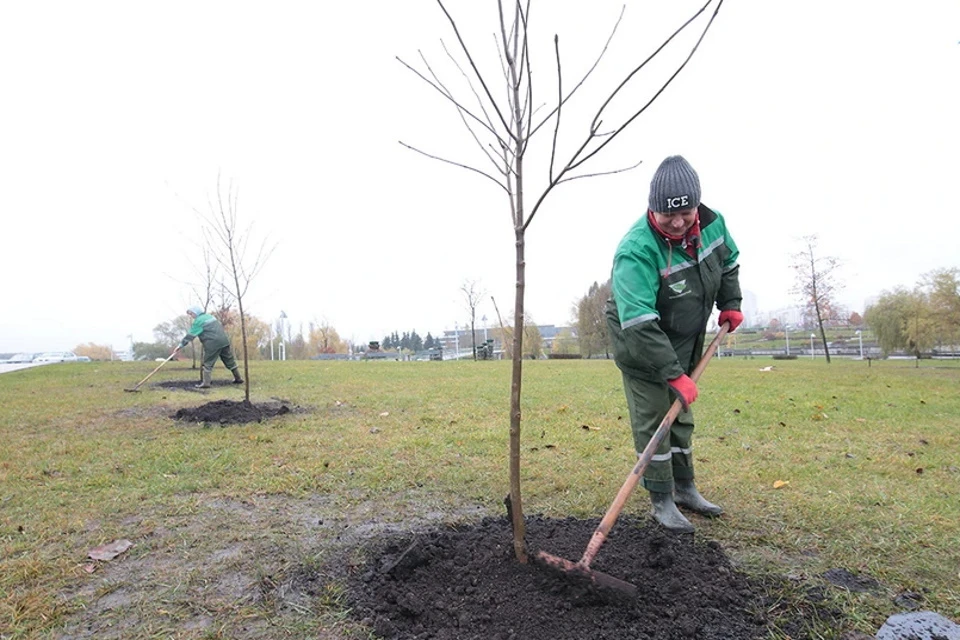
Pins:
<point x="231" y="412"/>
<point x="465" y="583"/>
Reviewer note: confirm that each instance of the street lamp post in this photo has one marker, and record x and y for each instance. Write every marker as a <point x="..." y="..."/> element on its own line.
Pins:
<point x="786" y="332"/>
<point x="860" y="338"/>
<point x="282" y="347"/>
<point x="456" y="339"/>
<point x="484" y="321"/>
<point x="812" y="336"/>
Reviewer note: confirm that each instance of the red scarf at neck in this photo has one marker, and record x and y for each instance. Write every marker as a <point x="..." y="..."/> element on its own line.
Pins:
<point x="690" y="241"/>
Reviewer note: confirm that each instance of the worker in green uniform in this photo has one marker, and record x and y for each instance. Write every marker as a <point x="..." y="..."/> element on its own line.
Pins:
<point x="215" y="343"/>
<point x="670" y="269"/>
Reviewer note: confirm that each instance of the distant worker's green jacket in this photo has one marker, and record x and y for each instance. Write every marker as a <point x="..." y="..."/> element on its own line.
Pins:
<point x="211" y="334"/>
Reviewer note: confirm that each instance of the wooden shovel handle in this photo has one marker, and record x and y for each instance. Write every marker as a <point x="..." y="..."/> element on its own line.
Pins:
<point x="610" y="518"/>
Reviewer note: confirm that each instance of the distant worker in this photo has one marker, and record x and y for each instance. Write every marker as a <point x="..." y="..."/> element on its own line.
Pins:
<point x="215" y="343"/>
<point x="669" y="270"/>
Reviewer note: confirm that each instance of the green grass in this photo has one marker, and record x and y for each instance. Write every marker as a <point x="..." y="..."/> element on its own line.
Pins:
<point x="868" y="455"/>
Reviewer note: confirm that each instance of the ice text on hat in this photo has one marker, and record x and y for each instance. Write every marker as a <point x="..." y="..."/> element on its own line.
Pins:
<point x="678" y="202"/>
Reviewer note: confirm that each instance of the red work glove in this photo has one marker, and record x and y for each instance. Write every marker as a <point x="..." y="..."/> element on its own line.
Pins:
<point x="686" y="390"/>
<point x="732" y="316"/>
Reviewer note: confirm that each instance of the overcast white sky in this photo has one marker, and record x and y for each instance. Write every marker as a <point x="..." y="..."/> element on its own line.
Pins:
<point x="827" y="117"/>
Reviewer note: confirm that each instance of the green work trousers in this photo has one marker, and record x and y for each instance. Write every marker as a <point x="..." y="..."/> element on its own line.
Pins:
<point x="210" y="357"/>
<point x="648" y="403"/>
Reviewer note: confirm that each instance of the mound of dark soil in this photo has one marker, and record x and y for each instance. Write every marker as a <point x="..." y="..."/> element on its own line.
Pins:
<point x="231" y="412"/>
<point x="465" y="583"/>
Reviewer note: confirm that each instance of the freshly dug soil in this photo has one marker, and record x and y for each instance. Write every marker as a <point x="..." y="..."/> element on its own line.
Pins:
<point x="465" y="583"/>
<point x="231" y="412"/>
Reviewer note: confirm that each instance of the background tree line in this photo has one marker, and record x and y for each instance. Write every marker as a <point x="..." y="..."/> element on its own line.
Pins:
<point x="409" y="341"/>
<point x="263" y="342"/>
<point x="921" y="319"/>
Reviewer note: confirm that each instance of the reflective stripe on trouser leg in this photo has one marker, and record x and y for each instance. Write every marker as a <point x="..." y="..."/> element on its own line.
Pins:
<point x="648" y="403"/>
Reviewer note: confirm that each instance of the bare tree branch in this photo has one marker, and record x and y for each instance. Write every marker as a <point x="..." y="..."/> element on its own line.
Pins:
<point x="457" y="164"/>
<point x="596" y="121"/>
<point x="576" y="160"/>
<point x="585" y="76"/>
<point x="466" y="52"/>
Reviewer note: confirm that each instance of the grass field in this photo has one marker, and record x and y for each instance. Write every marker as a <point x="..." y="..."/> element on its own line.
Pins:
<point x="865" y="457"/>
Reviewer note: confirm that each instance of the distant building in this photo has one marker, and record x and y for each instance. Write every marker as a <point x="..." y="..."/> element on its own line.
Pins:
<point x="462" y="339"/>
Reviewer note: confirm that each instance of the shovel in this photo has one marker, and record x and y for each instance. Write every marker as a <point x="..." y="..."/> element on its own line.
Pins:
<point x="137" y="387"/>
<point x="580" y="571"/>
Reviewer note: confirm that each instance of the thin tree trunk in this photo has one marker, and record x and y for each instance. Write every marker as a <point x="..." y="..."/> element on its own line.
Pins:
<point x="246" y="364"/>
<point x="516" y="507"/>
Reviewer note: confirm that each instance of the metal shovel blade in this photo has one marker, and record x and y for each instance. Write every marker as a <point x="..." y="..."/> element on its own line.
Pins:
<point x="580" y="574"/>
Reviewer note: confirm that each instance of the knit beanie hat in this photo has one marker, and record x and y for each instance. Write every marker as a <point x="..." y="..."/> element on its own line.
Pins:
<point x="675" y="186"/>
<point x="195" y="310"/>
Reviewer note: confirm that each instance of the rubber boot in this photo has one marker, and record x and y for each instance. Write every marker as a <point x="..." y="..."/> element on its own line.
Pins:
<point x="666" y="513"/>
<point x="236" y="375"/>
<point x="205" y="379"/>
<point x="686" y="495"/>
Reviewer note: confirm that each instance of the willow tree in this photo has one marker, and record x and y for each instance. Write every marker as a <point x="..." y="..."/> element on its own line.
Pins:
<point x="507" y="112"/>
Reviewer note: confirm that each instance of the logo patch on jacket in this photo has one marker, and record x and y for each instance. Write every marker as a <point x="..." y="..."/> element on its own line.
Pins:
<point x="679" y="288"/>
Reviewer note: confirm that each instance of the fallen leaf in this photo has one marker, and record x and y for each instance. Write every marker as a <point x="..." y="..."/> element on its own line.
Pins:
<point x="562" y="408"/>
<point x="783" y="424"/>
<point x="384" y="414"/>
<point x="736" y="411"/>
<point x="90" y="567"/>
<point x="374" y="430"/>
<point x="860" y="419"/>
<point x="780" y="483"/>
<point x="922" y="441"/>
<point x="919" y="470"/>
<point x="109" y="551"/>
<point x="766" y="368"/>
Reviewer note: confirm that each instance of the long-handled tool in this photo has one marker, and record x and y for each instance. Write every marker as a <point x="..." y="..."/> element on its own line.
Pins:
<point x="581" y="570"/>
<point x="137" y="387"/>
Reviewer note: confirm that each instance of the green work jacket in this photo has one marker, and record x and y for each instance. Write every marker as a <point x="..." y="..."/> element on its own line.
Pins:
<point x="209" y="330"/>
<point x="662" y="297"/>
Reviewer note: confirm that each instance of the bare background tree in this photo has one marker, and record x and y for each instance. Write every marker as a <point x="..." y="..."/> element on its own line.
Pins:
<point x="816" y="285"/>
<point x="472" y="292"/>
<point x="504" y="116"/>
<point x="229" y="246"/>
